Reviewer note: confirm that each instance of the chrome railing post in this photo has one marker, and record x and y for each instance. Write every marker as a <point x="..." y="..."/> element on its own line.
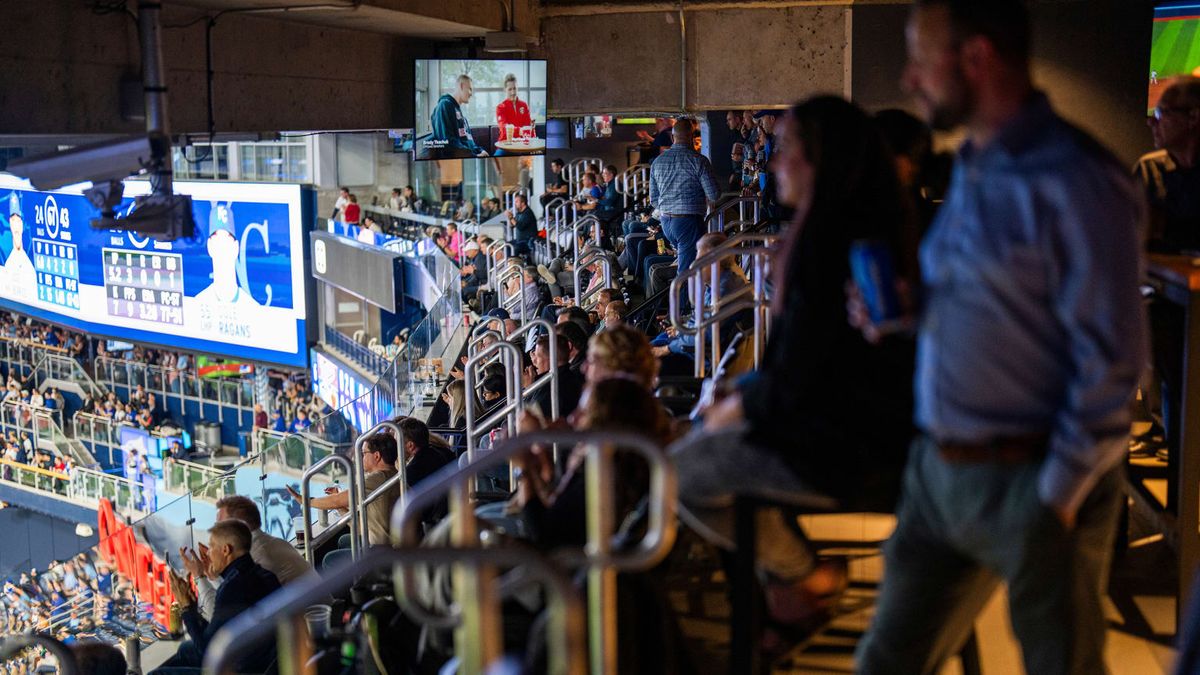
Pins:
<point x="309" y="549"/>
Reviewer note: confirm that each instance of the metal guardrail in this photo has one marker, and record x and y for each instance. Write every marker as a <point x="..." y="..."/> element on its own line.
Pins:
<point x="92" y="486"/>
<point x="598" y="556"/>
<point x="233" y="395"/>
<point x="290" y="450"/>
<point x="201" y="481"/>
<point x="753" y="252"/>
<point x="481" y="648"/>
<point x="633" y="184"/>
<point x="34" y="477"/>
<point x="359" y="353"/>
<point x="748" y="209"/>
<point x="306" y="501"/>
<point x="575" y="171"/>
<point x="597" y="256"/>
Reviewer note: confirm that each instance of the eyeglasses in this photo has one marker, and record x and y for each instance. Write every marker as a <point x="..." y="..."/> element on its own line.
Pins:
<point x="1160" y="111"/>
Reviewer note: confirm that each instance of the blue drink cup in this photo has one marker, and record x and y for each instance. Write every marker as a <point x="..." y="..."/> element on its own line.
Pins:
<point x="874" y="271"/>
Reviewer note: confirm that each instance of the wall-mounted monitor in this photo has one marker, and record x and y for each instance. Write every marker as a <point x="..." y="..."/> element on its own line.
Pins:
<point x="479" y="108"/>
<point x="1175" y="46"/>
<point x="237" y="288"/>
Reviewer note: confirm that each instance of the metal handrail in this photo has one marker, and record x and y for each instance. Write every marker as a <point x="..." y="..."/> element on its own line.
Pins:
<point x="715" y="220"/>
<point x="271" y="615"/>
<point x="511" y="303"/>
<point x="305" y="498"/>
<point x="514" y="402"/>
<point x="634" y="183"/>
<point x="596" y="231"/>
<point x="759" y="248"/>
<point x="401" y="474"/>
<point x="597" y="555"/>
<point x="592" y="255"/>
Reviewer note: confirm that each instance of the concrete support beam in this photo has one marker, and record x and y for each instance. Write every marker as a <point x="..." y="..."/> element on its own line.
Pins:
<point x="61" y="73"/>
<point x="744" y="55"/>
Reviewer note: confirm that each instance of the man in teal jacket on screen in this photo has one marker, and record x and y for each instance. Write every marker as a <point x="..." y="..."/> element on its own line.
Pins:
<point x="451" y="131"/>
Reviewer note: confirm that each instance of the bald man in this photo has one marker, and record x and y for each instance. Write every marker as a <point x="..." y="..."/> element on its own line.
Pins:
<point x="1170" y="173"/>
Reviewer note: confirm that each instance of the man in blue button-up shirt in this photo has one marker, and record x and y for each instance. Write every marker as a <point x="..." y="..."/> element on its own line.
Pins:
<point x="682" y="185"/>
<point x="1031" y="340"/>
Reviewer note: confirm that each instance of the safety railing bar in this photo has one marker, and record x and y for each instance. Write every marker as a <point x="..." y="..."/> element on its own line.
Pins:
<point x="401" y="467"/>
<point x="305" y="503"/>
<point x="438" y="485"/>
<point x="470" y="385"/>
<point x="261" y="620"/>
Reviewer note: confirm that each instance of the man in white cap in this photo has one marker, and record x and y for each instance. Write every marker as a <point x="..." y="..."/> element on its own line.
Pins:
<point x="224" y="249"/>
<point x="473" y="270"/>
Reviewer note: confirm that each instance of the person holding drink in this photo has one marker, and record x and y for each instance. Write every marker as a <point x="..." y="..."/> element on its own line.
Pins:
<point x="512" y="114"/>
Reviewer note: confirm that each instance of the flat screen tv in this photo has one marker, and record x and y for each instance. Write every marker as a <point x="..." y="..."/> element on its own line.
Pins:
<point x="479" y="108"/>
<point x="1175" y="46"/>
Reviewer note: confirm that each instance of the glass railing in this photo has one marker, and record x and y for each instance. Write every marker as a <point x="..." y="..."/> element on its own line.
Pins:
<point x="42" y="426"/>
<point x="127" y="496"/>
<point x="123" y="376"/>
<point x="163" y="519"/>
<point x="203" y="482"/>
<point x="30" y="476"/>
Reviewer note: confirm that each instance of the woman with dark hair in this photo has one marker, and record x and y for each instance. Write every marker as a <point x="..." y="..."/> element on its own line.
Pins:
<point x="827" y="414"/>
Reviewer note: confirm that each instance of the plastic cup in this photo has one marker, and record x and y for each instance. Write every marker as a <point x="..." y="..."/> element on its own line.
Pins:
<point x="508" y="131"/>
<point x="317" y="618"/>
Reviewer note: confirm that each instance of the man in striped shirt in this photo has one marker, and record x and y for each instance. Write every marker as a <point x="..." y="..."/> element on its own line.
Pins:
<point x="682" y="186"/>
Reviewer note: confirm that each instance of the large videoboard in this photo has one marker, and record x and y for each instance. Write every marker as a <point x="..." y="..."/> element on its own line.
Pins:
<point x="1175" y="45"/>
<point x="235" y="289"/>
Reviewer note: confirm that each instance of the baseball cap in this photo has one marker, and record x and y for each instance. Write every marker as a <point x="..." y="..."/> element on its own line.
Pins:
<point x="471" y="244"/>
<point x="498" y="313"/>
<point x="767" y="111"/>
<point x="220" y="219"/>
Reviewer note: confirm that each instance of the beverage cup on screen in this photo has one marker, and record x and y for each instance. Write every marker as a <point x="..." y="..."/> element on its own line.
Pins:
<point x="508" y="132"/>
<point x="526" y="134"/>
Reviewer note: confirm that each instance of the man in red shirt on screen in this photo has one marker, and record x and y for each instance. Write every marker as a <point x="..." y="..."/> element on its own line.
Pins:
<point x="512" y="111"/>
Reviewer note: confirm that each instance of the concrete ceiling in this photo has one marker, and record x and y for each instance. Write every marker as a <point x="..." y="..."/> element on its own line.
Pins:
<point x="434" y="20"/>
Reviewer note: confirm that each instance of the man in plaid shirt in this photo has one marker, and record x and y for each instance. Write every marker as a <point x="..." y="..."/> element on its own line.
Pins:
<point x="682" y="186"/>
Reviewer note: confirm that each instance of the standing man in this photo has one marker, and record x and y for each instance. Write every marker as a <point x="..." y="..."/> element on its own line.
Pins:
<point x="524" y="224"/>
<point x="682" y="186"/>
<point x="450" y="127"/>
<point x="1031" y="341"/>
<point x="339" y="206"/>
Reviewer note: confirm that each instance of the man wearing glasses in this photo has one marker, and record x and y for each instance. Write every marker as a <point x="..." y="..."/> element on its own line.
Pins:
<point x="1171" y="174"/>
<point x="1172" y="181"/>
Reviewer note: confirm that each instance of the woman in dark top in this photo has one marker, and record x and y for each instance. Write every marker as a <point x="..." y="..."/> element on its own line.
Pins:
<point x="827" y="414"/>
<point x="556" y="513"/>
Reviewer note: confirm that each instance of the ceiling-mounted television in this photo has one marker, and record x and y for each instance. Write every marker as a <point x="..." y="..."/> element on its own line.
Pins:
<point x="1175" y="45"/>
<point x="479" y="108"/>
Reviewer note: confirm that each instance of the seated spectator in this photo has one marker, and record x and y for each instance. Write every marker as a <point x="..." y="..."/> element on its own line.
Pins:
<point x="577" y="316"/>
<point x="301" y="424"/>
<point x="474" y="269"/>
<point x="731" y="281"/>
<point x="455" y="397"/>
<point x="272" y="553"/>
<point x="611" y="205"/>
<point x="589" y="192"/>
<point x="621" y="352"/>
<point x="243" y="584"/>
<point x="570" y="383"/>
<point x="555" y="511"/>
<point x="795" y="427"/>
<point x="260" y="417"/>
<point x="97" y="658"/>
<point x="556" y="185"/>
<point x="614" y="314"/>
<point x="577" y="340"/>
<point x="278" y="424"/>
<point x="524" y="224"/>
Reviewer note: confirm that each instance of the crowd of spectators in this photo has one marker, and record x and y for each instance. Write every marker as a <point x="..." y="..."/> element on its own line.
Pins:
<point x="77" y="601"/>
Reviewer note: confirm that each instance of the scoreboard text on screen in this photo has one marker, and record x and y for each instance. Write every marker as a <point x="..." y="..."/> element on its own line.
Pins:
<point x="146" y="286"/>
<point x="57" y="267"/>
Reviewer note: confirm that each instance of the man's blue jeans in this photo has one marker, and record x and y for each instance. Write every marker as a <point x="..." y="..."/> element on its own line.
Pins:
<point x="683" y="232"/>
